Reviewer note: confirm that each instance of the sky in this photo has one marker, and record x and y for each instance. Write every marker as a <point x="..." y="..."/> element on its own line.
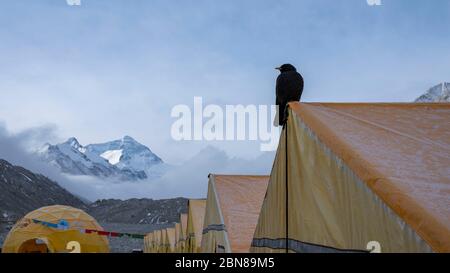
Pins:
<point x="110" y="68"/>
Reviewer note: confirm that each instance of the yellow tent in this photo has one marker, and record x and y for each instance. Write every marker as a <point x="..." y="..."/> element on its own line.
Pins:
<point x="148" y="243"/>
<point x="196" y="214"/>
<point x="28" y="236"/>
<point x="167" y="240"/>
<point x="177" y="236"/>
<point x="157" y="247"/>
<point x="144" y="249"/>
<point x="359" y="177"/>
<point x="164" y="244"/>
<point x="153" y="242"/>
<point x="182" y="234"/>
<point x="170" y="240"/>
<point x="232" y="209"/>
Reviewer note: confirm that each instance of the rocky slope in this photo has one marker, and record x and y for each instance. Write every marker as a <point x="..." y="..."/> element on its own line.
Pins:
<point x="22" y="191"/>
<point x="138" y="211"/>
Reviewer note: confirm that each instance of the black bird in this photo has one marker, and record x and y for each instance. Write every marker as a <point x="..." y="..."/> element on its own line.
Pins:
<point x="289" y="88"/>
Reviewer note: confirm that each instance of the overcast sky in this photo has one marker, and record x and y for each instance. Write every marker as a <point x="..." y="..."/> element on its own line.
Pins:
<point x="110" y="68"/>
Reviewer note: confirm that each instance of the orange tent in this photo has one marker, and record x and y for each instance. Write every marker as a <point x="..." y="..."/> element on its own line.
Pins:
<point x="360" y="175"/>
<point x="232" y="209"/>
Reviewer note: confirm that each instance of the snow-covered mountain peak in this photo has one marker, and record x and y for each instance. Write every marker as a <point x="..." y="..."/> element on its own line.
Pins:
<point x="128" y="139"/>
<point x="73" y="142"/>
<point x="126" y="153"/>
<point x="124" y="157"/>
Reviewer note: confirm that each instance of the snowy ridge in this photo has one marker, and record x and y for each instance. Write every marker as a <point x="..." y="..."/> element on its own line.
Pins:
<point x="125" y="159"/>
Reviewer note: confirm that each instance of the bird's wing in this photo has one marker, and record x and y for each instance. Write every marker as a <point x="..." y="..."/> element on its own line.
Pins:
<point x="278" y="90"/>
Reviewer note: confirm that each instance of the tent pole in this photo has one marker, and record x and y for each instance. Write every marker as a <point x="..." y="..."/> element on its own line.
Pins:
<point x="287" y="195"/>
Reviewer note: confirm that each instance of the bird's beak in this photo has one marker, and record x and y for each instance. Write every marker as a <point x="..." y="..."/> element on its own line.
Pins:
<point x="277" y="68"/>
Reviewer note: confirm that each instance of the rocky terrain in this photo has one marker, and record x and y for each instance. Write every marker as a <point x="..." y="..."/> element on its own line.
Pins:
<point x="22" y="191"/>
<point x="127" y="245"/>
<point x="138" y="211"/>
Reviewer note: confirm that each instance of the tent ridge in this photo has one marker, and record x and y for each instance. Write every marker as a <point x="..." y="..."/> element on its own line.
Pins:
<point x="390" y="130"/>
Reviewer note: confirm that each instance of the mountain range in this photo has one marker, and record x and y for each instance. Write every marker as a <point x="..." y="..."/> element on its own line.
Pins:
<point x="125" y="159"/>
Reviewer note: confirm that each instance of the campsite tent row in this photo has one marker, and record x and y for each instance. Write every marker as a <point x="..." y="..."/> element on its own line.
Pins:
<point x="348" y="177"/>
<point x="224" y="222"/>
<point x="168" y="240"/>
<point x="176" y="239"/>
<point x="160" y="241"/>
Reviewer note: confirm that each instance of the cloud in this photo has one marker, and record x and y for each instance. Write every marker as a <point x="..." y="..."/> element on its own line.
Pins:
<point x="18" y="150"/>
<point x="188" y="179"/>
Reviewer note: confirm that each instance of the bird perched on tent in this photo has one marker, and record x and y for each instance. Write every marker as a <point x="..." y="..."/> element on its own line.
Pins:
<point x="289" y="88"/>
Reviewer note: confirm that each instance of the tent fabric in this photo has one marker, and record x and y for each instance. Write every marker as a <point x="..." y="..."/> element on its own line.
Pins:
<point x="196" y="214"/>
<point x="153" y="242"/>
<point x="182" y="234"/>
<point x="170" y="240"/>
<point x="359" y="173"/>
<point x="232" y="209"/>
<point x="28" y="235"/>
<point x="149" y="243"/>
<point x="157" y="244"/>
<point x="164" y="242"/>
<point x="144" y="249"/>
<point x="177" y="236"/>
